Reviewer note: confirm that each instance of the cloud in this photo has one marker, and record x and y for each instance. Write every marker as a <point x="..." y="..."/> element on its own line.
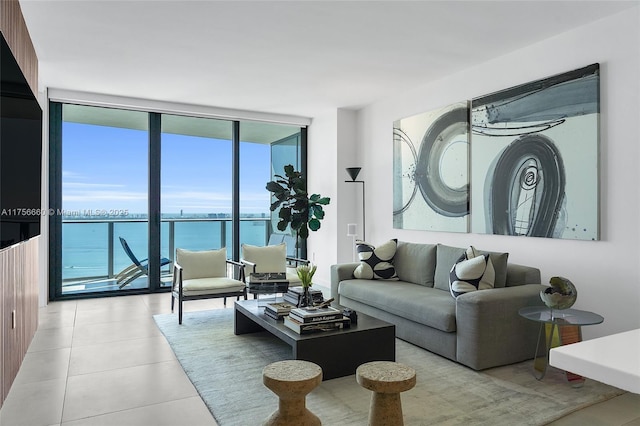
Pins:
<point x="68" y="174"/>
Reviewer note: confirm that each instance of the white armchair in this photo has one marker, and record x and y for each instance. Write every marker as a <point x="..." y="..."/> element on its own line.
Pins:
<point x="204" y="275"/>
<point x="272" y="258"/>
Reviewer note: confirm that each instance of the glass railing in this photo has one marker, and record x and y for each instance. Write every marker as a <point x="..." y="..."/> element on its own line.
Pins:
<point x="91" y="249"/>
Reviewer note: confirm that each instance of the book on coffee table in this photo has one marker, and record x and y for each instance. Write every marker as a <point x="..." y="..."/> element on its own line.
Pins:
<point x="307" y="328"/>
<point x="279" y="307"/>
<point x="278" y="310"/>
<point x="304" y="315"/>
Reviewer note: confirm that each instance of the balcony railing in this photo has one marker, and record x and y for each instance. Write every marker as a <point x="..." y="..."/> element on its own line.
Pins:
<point x="91" y="249"/>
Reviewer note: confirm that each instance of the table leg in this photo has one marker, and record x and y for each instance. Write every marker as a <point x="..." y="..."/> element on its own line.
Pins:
<point x="554" y="336"/>
<point x="243" y="324"/>
<point x="571" y="334"/>
<point x="540" y="363"/>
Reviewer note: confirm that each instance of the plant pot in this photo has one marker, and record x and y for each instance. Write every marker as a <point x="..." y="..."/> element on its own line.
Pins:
<point x="305" y="300"/>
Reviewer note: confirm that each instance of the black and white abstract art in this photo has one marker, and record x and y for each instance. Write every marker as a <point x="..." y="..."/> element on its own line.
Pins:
<point x="430" y="170"/>
<point x="534" y="158"/>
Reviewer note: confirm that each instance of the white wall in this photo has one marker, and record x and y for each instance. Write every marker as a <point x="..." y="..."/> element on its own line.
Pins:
<point x="349" y="196"/>
<point x="605" y="272"/>
<point x="322" y="179"/>
<point x="332" y="149"/>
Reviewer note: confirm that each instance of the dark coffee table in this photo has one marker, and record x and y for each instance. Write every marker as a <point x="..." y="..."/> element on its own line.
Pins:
<point x="338" y="352"/>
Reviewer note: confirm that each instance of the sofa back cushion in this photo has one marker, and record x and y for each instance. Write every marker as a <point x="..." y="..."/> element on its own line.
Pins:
<point x="472" y="272"/>
<point x="376" y="263"/>
<point x="447" y="256"/>
<point x="416" y="263"/>
<point x="499" y="261"/>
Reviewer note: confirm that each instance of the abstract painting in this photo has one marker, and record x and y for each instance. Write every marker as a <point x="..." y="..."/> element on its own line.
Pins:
<point x="534" y="158"/>
<point x="430" y="170"/>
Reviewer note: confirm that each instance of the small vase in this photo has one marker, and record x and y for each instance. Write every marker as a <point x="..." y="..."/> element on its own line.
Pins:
<point x="305" y="300"/>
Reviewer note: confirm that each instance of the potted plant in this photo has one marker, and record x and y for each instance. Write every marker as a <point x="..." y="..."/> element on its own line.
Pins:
<point x="305" y="273"/>
<point x="297" y="209"/>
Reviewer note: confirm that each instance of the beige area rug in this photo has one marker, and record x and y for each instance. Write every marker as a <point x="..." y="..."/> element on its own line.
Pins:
<point x="227" y="372"/>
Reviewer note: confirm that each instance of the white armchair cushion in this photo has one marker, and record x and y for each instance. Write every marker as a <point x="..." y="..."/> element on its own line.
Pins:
<point x="202" y="264"/>
<point x="202" y="286"/>
<point x="266" y="258"/>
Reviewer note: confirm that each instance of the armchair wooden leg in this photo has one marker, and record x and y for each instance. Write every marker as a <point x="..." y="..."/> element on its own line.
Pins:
<point x="180" y="310"/>
<point x="224" y="301"/>
<point x="173" y="301"/>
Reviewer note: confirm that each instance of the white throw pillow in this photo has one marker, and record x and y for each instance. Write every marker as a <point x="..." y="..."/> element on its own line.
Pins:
<point x="473" y="271"/>
<point x="267" y="258"/>
<point x="203" y="263"/>
<point x="376" y="263"/>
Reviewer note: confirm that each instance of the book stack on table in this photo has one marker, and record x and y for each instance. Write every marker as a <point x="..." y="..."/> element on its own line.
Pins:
<point x="277" y="310"/>
<point x="305" y="321"/>
<point x="294" y="294"/>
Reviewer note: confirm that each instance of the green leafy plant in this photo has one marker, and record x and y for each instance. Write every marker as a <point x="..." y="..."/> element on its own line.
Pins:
<point x="305" y="273"/>
<point x="297" y="208"/>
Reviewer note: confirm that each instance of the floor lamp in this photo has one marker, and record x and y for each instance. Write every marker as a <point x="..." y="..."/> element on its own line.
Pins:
<point x="353" y="173"/>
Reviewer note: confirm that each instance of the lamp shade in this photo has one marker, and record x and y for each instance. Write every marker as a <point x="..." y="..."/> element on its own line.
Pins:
<point x="353" y="172"/>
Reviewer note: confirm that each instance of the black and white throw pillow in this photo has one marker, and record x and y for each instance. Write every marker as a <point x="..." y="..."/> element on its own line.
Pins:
<point x="472" y="271"/>
<point x="376" y="263"/>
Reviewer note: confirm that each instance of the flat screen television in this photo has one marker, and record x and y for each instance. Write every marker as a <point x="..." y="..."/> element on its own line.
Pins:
<point x="20" y="154"/>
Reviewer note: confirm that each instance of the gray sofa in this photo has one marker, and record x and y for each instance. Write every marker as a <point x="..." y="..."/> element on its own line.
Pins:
<point x="480" y="329"/>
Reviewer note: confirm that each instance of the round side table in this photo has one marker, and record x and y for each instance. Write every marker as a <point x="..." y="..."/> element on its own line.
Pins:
<point x="292" y="380"/>
<point x="386" y="379"/>
<point x="561" y="327"/>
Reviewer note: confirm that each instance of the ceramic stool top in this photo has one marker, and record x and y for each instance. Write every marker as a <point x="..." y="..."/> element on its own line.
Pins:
<point x="386" y="377"/>
<point x="292" y="377"/>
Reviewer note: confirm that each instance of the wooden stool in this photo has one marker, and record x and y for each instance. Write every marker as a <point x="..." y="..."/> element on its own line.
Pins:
<point x="386" y="379"/>
<point x="292" y="381"/>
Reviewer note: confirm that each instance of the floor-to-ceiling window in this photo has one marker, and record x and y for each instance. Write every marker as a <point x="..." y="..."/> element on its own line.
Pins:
<point x="196" y="183"/>
<point x="104" y="195"/>
<point x="107" y="163"/>
<point x="259" y="162"/>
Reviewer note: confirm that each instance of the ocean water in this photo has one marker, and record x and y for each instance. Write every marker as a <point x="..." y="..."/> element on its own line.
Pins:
<point x="85" y="245"/>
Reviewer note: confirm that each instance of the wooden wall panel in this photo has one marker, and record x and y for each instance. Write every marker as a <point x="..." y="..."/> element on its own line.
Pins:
<point x="19" y="290"/>
<point x="16" y="33"/>
<point x="18" y="264"/>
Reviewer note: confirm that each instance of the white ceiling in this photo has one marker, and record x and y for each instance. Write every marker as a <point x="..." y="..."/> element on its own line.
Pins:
<point x="289" y="57"/>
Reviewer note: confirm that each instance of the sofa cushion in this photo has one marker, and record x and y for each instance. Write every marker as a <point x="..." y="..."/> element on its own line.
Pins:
<point x="499" y="261"/>
<point x="473" y="271"/>
<point x="415" y="263"/>
<point x="446" y="257"/>
<point x="204" y="286"/>
<point x="376" y="262"/>
<point x="423" y="305"/>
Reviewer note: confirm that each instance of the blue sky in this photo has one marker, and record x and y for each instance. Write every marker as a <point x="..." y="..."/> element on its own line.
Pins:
<point x="105" y="168"/>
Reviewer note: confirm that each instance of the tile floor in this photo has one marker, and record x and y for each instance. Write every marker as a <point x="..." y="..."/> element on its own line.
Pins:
<point x="104" y="362"/>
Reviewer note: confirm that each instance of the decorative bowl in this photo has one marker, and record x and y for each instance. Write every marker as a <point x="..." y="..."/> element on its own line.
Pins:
<point x="561" y="295"/>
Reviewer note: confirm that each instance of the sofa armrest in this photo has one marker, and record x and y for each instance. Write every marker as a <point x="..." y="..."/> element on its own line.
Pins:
<point x="490" y="332"/>
<point x="341" y="272"/>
